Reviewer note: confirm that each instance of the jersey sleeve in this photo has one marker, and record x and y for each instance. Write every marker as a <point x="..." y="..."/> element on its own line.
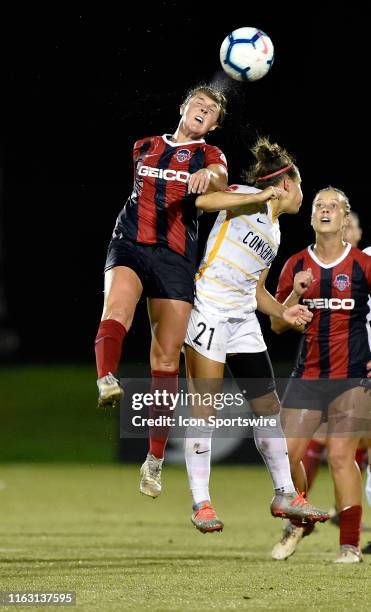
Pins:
<point x="367" y="270"/>
<point x="137" y="147"/>
<point x="285" y="281"/>
<point x="213" y="155"/>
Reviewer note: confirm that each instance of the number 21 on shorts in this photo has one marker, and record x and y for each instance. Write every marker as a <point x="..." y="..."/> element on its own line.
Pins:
<point x="208" y="338"/>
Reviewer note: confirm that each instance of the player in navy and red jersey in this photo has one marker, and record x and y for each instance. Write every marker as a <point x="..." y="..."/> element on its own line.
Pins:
<point x="334" y="280"/>
<point x="161" y="209"/>
<point x="315" y="451"/>
<point x="153" y="252"/>
<point x="335" y="344"/>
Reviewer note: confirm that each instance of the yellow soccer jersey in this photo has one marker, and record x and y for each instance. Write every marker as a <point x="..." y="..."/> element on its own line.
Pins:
<point x="239" y="248"/>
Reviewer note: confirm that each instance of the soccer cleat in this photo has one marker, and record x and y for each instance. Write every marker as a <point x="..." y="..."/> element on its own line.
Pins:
<point x="150" y="472"/>
<point x="294" y="506"/>
<point x="109" y="391"/>
<point x="349" y="554"/>
<point x="205" y="519"/>
<point x="287" y="545"/>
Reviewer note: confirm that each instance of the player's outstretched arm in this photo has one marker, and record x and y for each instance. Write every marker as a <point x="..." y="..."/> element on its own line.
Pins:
<point x="302" y="280"/>
<point x="227" y="200"/>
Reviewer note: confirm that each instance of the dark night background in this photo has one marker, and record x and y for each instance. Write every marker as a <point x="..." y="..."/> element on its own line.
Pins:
<point x="81" y="88"/>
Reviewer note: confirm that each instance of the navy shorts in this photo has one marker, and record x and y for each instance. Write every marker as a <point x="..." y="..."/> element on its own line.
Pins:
<point x="163" y="272"/>
<point x="317" y="394"/>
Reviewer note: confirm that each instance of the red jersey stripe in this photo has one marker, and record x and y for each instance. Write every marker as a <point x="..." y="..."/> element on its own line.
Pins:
<point x="147" y="205"/>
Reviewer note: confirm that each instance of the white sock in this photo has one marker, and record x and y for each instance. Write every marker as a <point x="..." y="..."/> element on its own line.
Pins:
<point x="197" y="456"/>
<point x="271" y="444"/>
<point x="368" y="484"/>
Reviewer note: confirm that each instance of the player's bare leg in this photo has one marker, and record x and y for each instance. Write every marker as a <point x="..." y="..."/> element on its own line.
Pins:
<point x="367" y="549"/>
<point x="368" y="481"/>
<point x="204" y="376"/>
<point x="348" y="489"/>
<point x="169" y="320"/>
<point x="299" y="428"/>
<point x="122" y="290"/>
<point x="345" y="420"/>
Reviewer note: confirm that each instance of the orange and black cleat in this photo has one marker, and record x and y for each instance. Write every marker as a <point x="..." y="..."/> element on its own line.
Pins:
<point x="295" y="507"/>
<point x="205" y="519"/>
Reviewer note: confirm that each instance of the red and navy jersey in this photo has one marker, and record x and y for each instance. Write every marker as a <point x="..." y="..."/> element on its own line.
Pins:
<point x="335" y="343"/>
<point x="159" y="210"/>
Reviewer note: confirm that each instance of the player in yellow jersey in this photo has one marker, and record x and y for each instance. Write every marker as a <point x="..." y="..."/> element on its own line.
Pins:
<point x="223" y="327"/>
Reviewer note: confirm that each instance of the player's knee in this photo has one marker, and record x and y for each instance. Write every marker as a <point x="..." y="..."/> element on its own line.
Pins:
<point x="165" y="365"/>
<point x="119" y="313"/>
<point x="165" y="361"/>
<point x="165" y="357"/>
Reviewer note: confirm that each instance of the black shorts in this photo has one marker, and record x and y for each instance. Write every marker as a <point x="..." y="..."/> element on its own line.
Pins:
<point x="317" y="394"/>
<point x="259" y="368"/>
<point x="163" y="272"/>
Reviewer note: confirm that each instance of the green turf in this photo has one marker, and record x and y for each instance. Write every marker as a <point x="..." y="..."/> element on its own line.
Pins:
<point x="49" y="413"/>
<point x="87" y="529"/>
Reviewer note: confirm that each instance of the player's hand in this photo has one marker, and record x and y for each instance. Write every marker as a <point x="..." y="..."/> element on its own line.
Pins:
<point x="302" y="281"/>
<point x="270" y="193"/>
<point x="199" y="181"/>
<point x="368" y="367"/>
<point x="298" y="315"/>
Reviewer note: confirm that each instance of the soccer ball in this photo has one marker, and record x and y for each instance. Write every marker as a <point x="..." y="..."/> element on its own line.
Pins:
<point x="246" y="54"/>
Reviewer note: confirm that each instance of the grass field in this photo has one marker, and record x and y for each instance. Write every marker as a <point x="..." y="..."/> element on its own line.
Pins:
<point x="49" y="414"/>
<point x="87" y="529"/>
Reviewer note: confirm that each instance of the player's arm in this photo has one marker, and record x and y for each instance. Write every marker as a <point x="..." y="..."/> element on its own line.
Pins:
<point x="302" y="280"/>
<point x="295" y="315"/>
<point x="227" y="200"/>
<point x="212" y="178"/>
<point x="207" y="180"/>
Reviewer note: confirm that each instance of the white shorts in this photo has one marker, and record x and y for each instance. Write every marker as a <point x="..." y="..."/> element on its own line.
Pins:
<point x="216" y="336"/>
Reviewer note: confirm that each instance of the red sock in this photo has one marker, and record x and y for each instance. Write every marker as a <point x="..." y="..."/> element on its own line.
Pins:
<point x="158" y="436"/>
<point x="362" y="458"/>
<point x="350" y="525"/>
<point x="312" y="460"/>
<point x="108" y="345"/>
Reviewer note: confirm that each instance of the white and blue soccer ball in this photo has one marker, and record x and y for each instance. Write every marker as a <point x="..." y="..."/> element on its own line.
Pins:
<point x="247" y="54"/>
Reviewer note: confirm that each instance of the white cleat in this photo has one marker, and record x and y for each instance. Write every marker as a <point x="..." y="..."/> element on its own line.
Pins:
<point x="288" y="543"/>
<point x="150" y="472"/>
<point x="109" y="391"/>
<point x="349" y="554"/>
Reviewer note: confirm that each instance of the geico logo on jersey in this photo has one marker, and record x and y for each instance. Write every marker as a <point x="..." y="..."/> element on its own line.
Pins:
<point x="261" y="248"/>
<point x="331" y="303"/>
<point x="166" y="174"/>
